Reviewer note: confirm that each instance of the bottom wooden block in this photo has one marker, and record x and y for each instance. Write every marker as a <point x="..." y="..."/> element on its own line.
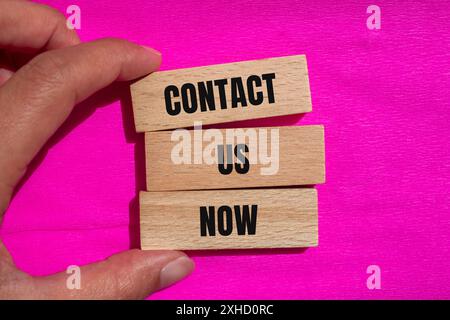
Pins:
<point x="229" y="219"/>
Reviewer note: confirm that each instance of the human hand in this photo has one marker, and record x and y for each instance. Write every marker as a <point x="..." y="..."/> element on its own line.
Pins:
<point x="36" y="96"/>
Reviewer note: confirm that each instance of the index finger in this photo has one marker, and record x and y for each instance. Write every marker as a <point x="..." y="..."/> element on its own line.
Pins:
<point x="37" y="99"/>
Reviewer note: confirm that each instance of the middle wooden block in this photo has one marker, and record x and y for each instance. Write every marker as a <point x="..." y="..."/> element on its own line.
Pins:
<point x="234" y="158"/>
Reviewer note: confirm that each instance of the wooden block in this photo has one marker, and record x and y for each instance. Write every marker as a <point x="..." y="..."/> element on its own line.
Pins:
<point x="221" y="93"/>
<point x="229" y="219"/>
<point x="297" y="158"/>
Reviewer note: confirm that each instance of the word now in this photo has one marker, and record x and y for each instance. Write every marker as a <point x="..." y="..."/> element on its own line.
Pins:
<point x="244" y="220"/>
<point x="204" y="94"/>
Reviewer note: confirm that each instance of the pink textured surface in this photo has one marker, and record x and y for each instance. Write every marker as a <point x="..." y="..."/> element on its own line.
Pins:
<point x="383" y="97"/>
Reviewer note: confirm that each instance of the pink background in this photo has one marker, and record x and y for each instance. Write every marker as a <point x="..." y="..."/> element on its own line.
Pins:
<point x="383" y="97"/>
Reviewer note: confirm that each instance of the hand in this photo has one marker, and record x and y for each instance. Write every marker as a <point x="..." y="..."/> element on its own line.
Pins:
<point x="36" y="96"/>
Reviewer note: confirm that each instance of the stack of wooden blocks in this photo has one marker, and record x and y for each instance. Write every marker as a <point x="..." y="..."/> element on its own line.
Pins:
<point x="228" y="188"/>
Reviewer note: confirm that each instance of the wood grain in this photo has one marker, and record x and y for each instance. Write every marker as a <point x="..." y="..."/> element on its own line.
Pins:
<point x="300" y="160"/>
<point x="291" y="93"/>
<point x="284" y="218"/>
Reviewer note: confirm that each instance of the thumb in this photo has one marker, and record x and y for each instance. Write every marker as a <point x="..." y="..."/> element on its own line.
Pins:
<point x="132" y="274"/>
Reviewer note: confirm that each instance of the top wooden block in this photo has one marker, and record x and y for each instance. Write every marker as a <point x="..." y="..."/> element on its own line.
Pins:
<point x="221" y="93"/>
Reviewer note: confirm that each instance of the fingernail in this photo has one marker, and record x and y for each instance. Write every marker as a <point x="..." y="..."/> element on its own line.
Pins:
<point x="152" y="50"/>
<point x="175" y="270"/>
<point x="5" y="74"/>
